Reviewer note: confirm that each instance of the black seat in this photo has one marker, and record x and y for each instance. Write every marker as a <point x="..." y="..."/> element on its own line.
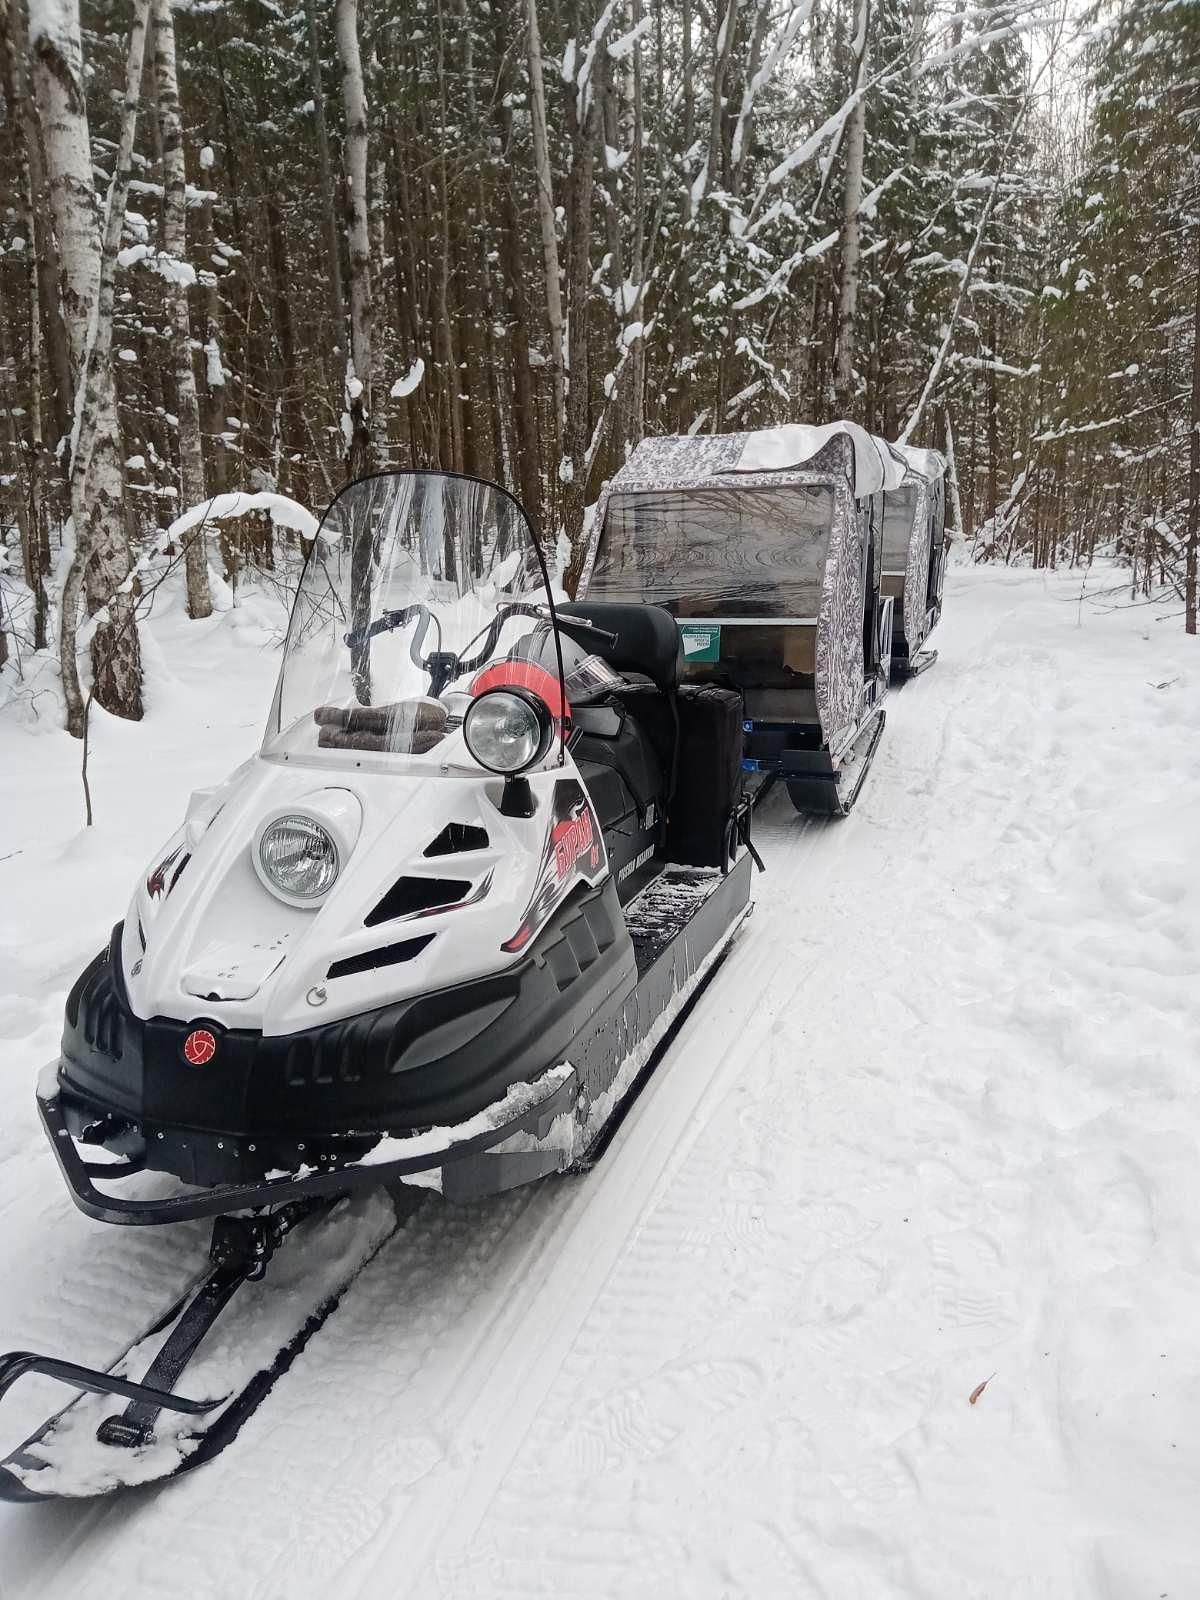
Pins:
<point x="647" y="637"/>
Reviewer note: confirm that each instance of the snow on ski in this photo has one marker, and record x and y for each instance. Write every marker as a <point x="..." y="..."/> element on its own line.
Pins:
<point x="237" y="1364"/>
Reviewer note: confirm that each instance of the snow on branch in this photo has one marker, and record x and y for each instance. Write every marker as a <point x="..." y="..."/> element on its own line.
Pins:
<point x="778" y="53"/>
<point x="982" y="364"/>
<point x="778" y="281"/>
<point x="804" y="153"/>
<point x="1033" y="18"/>
<point x="583" y="78"/>
<point x="870" y="202"/>
<point x="410" y="382"/>
<point x="194" y="197"/>
<point x="180" y="273"/>
<point x="283" y="512"/>
<point x="623" y="46"/>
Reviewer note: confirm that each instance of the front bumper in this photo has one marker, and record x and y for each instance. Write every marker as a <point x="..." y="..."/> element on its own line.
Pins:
<point x="262" y="1102"/>
<point x="466" y="1154"/>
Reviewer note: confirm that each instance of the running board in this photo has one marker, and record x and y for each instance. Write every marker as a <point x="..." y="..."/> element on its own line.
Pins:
<point x="680" y="925"/>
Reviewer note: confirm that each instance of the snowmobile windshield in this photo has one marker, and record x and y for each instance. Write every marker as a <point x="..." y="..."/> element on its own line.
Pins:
<point x="422" y="590"/>
<point x="718" y="552"/>
<point x="899" y="509"/>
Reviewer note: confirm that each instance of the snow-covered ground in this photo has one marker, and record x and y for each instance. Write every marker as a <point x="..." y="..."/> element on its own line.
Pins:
<point x="936" y="1121"/>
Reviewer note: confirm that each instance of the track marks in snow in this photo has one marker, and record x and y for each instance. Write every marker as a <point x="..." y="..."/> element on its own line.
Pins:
<point x="651" y="1417"/>
<point x="969" y="1288"/>
<point x="934" y="1120"/>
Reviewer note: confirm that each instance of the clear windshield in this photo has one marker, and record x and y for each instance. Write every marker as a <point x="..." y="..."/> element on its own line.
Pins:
<point x="899" y="508"/>
<point x="417" y="584"/>
<point x="719" y="552"/>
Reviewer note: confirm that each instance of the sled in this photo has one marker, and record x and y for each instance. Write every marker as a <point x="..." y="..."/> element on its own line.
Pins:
<point x="914" y="558"/>
<point x="767" y="548"/>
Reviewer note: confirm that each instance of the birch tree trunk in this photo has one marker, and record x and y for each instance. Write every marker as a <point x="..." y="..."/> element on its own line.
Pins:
<point x="545" y="194"/>
<point x="361" y="454"/>
<point x="26" y="498"/>
<point x="101" y="559"/>
<point x="453" y="430"/>
<point x="212" y="397"/>
<point x="843" y="369"/>
<point x="16" y="58"/>
<point x="581" y="193"/>
<point x="515" y="303"/>
<point x="635" y="416"/>
<point x="187" y="401"/>
<point x="956" y="510"/>
<point x="333" y="279"/>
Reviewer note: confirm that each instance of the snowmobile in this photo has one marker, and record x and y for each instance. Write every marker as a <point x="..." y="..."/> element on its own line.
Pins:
<point x="914" y="557"/>
<point x="433" y="935"/>
<point x="767" y="549"/>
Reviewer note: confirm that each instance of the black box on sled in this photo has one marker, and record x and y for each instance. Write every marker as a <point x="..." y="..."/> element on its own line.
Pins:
<point x="708" y="777"/>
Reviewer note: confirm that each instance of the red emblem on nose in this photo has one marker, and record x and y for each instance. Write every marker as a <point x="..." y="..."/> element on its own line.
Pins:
<point x="199" y="1047"/>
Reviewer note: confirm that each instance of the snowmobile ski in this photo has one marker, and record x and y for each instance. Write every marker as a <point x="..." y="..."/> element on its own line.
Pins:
<point x="84" y="1452"/>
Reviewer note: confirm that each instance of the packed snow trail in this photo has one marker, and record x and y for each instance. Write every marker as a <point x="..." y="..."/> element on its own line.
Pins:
<point x="935" y="1121"/>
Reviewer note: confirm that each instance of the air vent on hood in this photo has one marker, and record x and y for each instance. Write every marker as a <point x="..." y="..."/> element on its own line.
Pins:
<point x="407" y="896"/>
<point x="388" y="955"/>
<point x="457" y="837"/>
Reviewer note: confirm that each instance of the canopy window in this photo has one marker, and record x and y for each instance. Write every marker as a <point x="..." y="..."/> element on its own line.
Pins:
<point x="718" y="552"/>
<point x="899" y="509"/>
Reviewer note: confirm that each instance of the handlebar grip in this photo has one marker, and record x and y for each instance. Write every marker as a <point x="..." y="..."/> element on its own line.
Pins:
<point x="383" y="624"/>
<point x="585" y="625"/>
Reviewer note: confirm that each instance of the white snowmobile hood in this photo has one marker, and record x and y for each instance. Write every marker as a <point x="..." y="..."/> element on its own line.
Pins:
<point x="205" y="937"/>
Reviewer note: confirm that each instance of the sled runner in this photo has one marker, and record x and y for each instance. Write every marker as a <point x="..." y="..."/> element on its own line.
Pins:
<point x="914" y="557"/>
<point x="431" y="937"/>
<point x="767" y="550"/>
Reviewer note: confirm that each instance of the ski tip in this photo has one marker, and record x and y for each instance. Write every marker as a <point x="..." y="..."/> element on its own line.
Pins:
<point x="16" y="1491"/>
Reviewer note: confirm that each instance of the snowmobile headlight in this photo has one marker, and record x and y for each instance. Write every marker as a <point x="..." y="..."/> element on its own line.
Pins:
<point x="298" y="857"/>
<point x="507" y="730"/>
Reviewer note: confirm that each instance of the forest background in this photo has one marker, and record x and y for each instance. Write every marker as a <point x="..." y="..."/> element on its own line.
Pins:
<point x="259" y="246"/>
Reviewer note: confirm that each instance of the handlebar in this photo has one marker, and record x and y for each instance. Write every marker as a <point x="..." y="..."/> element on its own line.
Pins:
<point x="384" y="623"/>
<point x="443" y="667"/>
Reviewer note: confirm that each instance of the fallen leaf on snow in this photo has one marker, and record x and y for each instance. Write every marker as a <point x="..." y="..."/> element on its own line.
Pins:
<point x="978" y="1390"/>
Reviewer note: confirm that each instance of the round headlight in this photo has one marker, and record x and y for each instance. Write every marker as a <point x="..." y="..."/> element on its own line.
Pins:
<point x="299" y="857"/>
<point x="507" y="730"/>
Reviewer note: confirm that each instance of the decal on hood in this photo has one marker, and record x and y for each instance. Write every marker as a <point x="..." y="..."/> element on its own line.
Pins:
<point x="574" y="853"/>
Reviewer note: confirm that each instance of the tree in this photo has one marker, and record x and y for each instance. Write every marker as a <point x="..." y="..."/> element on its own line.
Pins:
<point x="101" y="558"/>
<point x="187" y="403"/>
<point x="360" y="451"/>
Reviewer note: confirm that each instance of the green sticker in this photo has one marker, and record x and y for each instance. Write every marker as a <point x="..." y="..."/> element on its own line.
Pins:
<point x="701" y="641"/>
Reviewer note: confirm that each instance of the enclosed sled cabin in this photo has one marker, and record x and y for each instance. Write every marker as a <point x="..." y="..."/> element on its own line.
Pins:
<point x="767" y="548"/>
<point x="914" y="557"/>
